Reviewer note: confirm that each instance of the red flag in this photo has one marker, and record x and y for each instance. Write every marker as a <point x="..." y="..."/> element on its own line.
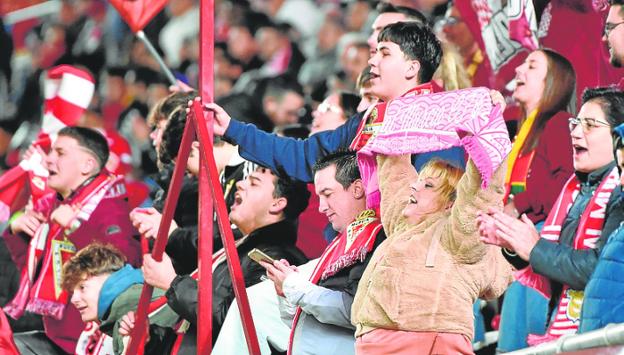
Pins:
<point x="9" y="6"/>
<point x="489" y="24"/>
<point x="138" y="13"/>
<point x="7" y="345"/>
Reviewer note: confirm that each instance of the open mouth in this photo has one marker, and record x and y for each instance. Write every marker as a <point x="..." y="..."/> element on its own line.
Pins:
<point x="519" y="82"/>
<point x="579" y="149"/>
<point x="412" y="200"/>
<point x="237" y="199"/>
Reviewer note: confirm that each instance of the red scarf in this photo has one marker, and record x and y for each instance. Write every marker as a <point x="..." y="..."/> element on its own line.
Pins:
<point x="350" y="247"/>
<point x="587" y="234"/>
<point x="93" y="342"/>
<point x="44" y="295"/>
<point x="372" y="120"/>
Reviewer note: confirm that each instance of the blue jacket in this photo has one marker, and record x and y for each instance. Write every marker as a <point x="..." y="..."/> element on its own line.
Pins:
<point x="296" y="157"/>
<point x="604" y="294"/>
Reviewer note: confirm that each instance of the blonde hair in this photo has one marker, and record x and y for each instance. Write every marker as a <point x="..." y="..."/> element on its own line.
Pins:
<point x="451" y="70"/>
<point x="448" y="176"/>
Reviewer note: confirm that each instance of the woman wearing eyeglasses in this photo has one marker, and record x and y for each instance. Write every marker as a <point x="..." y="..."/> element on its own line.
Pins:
<point x="559" y="262"/>
<point x="334" y="111"/>
<point x="539" y="164"/>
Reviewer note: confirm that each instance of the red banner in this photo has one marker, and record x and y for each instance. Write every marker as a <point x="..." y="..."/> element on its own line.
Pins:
<point x="7" y="6"/>
<point x="138" y="13"/>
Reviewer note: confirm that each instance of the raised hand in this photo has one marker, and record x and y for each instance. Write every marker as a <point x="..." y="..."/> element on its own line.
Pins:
<point x="64" y="215"/>
<point x="126" y="324"/>
<point x="158" y="273"/>
<point x="277" y="272"/>
<point x="27" y="223"/>
<point x="520" y="234"/>
<point x="498" y="99"/>
<point x="221" y="118"/>
<point x="147" y="221"/>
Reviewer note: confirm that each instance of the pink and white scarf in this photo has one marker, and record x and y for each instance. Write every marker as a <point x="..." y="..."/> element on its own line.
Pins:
<point x="426" y="123"/>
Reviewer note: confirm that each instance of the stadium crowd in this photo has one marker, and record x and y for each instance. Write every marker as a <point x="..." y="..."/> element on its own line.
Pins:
<point x="400" y="177"/>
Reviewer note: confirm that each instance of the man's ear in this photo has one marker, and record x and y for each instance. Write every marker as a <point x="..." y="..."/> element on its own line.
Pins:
<point x="89" y="166"/>
<point x="357" y="189"/>
<point x="278" y="205"/>
<point x="413" y="69"/>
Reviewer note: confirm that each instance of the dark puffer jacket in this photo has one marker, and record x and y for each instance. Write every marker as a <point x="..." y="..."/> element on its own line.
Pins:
<point x="605" y="290"/>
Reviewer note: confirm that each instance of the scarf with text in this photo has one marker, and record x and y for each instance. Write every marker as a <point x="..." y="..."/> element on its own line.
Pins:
<point x="568" y="311"/>
<point x="374" y="116"/>
<point x="419" y="124"/>
<point x="50" y="247"/>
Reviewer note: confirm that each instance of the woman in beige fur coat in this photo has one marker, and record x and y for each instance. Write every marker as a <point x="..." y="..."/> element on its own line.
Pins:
<point x="417" y="292"/>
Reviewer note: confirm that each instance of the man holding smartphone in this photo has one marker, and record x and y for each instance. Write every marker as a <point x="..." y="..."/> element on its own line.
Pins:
<point x="319" y="305"/>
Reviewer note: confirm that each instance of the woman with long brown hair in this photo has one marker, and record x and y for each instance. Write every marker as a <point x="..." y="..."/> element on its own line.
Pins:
<point x="539" y="165"/>
<point x="540" y="161"/>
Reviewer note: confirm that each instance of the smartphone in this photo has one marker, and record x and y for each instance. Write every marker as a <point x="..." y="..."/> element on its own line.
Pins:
<point x="258" y="255"/>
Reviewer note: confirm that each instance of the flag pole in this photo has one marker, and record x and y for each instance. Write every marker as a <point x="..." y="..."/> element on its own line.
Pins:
<point x="150" y="47"/>
<point x="206" y="211"/>
<point x="210" y="192"/>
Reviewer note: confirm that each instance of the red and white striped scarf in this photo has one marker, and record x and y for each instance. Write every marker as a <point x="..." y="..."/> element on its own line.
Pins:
<point x="44" y="294"/>
<point x="350" y="247"/>
<point x="587" y="234"/>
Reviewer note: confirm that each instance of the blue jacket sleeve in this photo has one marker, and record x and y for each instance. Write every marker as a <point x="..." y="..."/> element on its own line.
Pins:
<point x="294" y="157"/>
<point x="454" y="155"/>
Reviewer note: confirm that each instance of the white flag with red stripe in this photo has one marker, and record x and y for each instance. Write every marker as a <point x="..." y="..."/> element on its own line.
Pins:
<point x="67" y="92"/>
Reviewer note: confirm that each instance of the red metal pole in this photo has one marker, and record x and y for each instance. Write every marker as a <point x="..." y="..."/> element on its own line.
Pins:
<point x="137" y="338"/>
<point x="206" y="88"/>
<point x="233" y="261"/>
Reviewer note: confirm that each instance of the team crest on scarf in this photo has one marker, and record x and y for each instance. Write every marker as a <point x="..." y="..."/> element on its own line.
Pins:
<point x="575" y="301"/>
<point x="62" y="251"/>
<point x="347" y="249"/>
<point x="374" y="116"/>
<point x="354" y="229"/>
<point x="50" y="248"/>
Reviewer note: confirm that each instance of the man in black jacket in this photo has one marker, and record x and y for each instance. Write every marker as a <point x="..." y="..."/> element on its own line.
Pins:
<point x="265" y="209"/>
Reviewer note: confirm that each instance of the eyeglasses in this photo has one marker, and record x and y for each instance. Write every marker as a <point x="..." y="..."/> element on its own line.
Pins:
<point x="586" y="123"/>
<point x="610" y="27"/>
<point x="325" y="107"/>
<point x="450" y="21"/>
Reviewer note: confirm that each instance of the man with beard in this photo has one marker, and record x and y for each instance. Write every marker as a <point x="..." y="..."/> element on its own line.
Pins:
<point x="613" y="35"/>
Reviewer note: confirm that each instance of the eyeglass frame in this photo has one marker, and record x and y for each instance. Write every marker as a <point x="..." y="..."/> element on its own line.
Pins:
<point x="450" y="21"/>
<point x="325" y="107"/>
<point x="608" y="27"/>
<point x="573" y="122"/>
